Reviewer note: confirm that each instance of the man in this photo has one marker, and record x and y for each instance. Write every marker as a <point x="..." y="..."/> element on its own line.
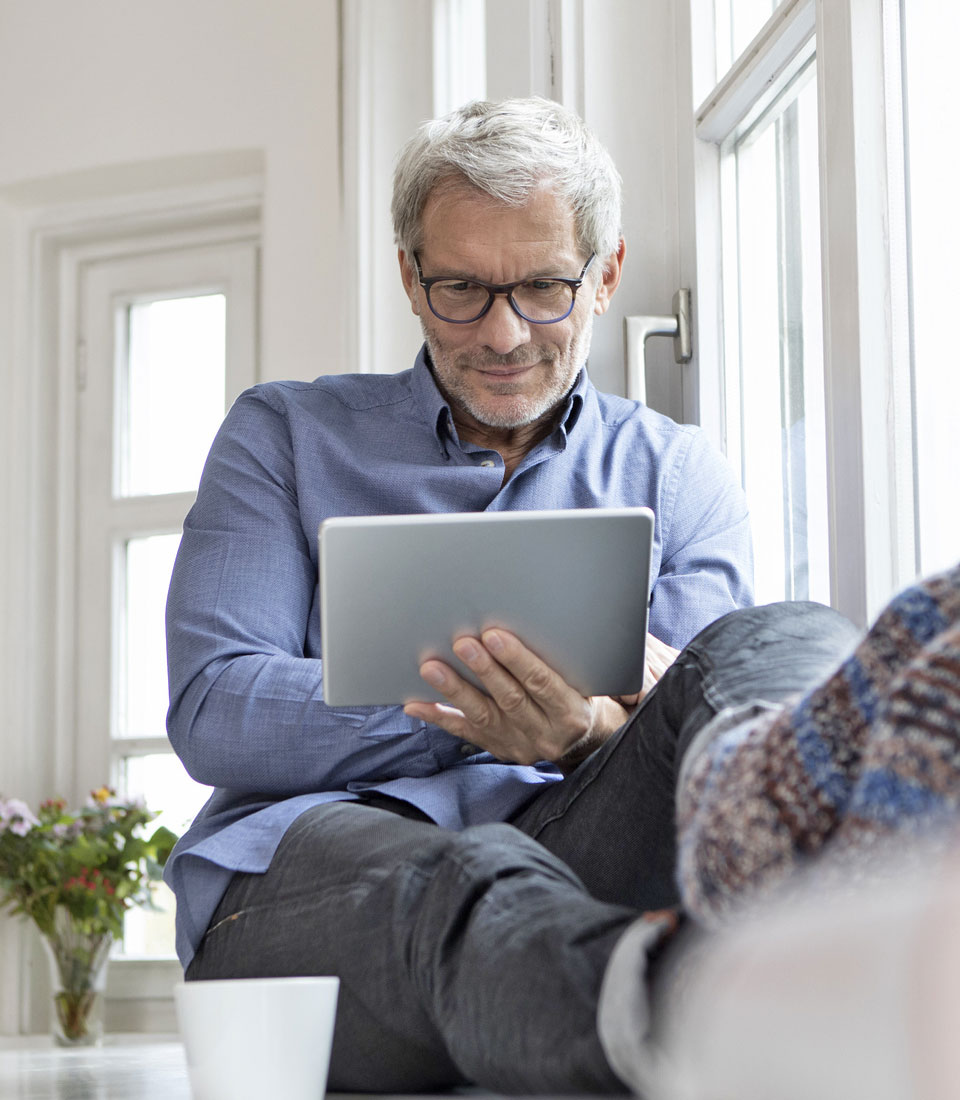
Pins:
<point x="474" y="951"/>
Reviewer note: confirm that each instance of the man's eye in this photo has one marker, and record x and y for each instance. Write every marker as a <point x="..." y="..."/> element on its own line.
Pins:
<point x="459" y="288"/>
<point x="543" y="286"/>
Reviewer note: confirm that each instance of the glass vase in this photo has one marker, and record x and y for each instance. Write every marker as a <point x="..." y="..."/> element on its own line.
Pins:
<point x="78" y="976"/>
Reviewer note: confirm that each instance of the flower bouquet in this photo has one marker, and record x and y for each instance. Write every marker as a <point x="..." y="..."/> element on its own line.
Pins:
<point x="75" y="874"/>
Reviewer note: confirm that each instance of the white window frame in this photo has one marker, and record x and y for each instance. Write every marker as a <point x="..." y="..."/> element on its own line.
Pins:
<point x="869" y="421"/>
<point x="101" y="278"/>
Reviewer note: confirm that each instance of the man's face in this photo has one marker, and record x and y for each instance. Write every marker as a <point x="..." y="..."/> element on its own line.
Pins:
<point x="503" y="371"/>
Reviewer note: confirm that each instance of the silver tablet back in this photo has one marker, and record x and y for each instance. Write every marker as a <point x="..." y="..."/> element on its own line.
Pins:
<point x="574" y="585"/>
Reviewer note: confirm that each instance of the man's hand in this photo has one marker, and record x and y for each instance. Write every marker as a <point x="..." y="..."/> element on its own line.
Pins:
<point x="530" y="713"/>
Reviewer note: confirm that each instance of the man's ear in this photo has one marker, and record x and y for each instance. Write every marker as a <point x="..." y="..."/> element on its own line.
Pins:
<point x="610" y="278"/>
<point x="408" y="273"/>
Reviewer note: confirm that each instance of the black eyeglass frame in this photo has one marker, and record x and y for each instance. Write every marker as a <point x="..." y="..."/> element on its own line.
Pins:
<point x="493" y="289"/>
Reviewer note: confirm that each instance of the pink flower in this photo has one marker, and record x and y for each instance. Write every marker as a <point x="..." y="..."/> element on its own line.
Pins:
<point x="17" y="817"/>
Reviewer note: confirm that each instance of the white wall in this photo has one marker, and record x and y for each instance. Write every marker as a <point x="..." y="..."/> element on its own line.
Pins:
<point x="387" y="92"/>
<point x="88" y="88"/>
<point x="630" y="99"/>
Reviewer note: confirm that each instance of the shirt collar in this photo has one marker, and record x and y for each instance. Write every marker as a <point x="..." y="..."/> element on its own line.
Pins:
<point x="574" y="403"/>
<point x="437" y="412"/>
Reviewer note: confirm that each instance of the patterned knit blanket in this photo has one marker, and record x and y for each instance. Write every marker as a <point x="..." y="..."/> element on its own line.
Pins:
<point x="871" y="754"/>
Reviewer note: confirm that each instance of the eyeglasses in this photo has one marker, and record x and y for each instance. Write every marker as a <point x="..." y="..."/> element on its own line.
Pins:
<point x="463" y="301"/>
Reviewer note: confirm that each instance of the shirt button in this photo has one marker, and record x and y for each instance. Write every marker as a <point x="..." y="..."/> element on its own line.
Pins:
<point x="488" y="462"/>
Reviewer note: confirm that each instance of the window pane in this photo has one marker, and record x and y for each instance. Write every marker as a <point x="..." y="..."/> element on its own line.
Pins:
<point x="143" y="651"/>
<point x="932" y="39"/>
<point x="162" y="782"/>
<point x="738" y="23"/>
<point x="774" y="360"/>
<point x="173" y="392"/>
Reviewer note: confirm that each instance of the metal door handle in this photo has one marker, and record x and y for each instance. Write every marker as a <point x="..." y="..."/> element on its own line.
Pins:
<point x="638" y="328"/>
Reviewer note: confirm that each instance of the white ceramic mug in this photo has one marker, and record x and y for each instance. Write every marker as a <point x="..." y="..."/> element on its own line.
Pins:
<point x="258" y="1037"/>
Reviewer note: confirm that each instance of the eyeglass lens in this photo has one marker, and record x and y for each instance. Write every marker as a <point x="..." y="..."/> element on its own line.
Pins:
<point x="540" y="300"/>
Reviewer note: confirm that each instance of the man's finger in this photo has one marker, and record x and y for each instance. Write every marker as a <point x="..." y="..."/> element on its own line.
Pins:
<point x="438" y="714"/>
<point x="540" y="682"/>
<point x="500" y="685"/>
<point x="463" y="696"/>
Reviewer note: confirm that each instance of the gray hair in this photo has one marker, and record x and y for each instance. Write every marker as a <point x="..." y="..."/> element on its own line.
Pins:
<point x="508" y="150"/>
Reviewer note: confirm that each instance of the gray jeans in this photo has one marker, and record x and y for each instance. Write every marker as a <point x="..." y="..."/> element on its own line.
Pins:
<point x="477" y="956"/>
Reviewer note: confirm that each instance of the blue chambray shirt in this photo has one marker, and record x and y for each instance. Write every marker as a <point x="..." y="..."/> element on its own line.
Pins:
<point x="247" y="714"/>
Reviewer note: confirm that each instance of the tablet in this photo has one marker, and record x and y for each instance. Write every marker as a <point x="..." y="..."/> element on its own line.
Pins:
<point x="573" y="585"/>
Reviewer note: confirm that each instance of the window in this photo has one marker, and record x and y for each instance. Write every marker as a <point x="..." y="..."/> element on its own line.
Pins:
<point x="763" y="117"/>
<point x="931" y="38"/>
<point x="169" y="347"/>
<point x="738" y="22"/>
<point x="773" y="357"/>
<point x="167" y="339"/>
<point x="817" y="409"/>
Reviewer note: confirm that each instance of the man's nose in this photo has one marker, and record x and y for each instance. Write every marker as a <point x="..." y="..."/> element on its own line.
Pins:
<point x="501" y="328"/>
